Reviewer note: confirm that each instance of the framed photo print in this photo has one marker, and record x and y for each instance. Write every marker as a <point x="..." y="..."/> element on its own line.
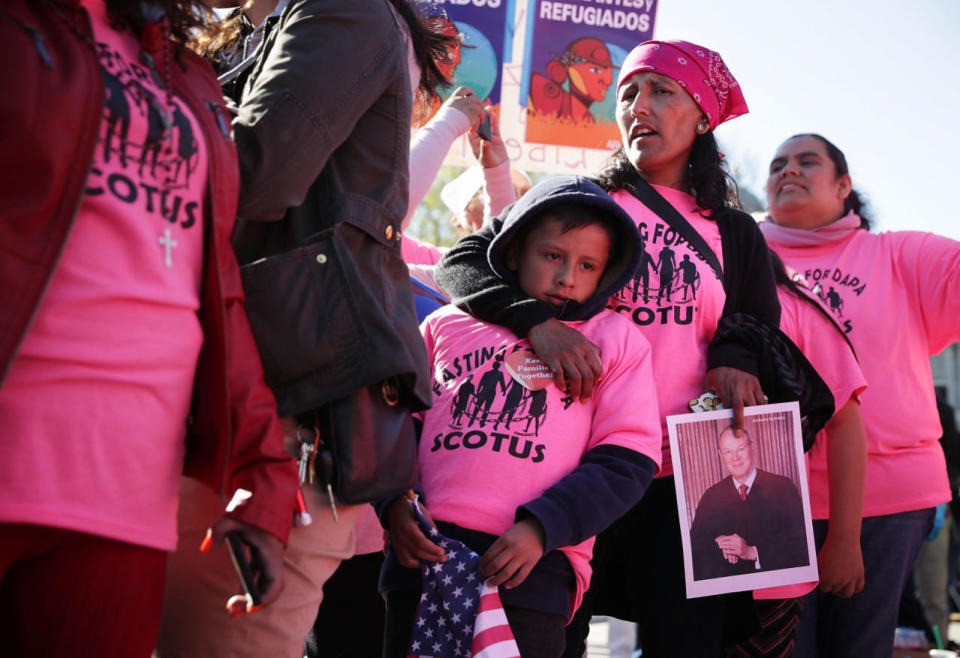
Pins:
<point x="743" y="500"/>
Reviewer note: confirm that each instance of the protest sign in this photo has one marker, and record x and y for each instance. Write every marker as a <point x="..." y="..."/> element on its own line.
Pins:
<point x="573" y="51"/>
<point x="563" y="155"/>
<point x="477" y="62"/>
<point x="743" y="501"/>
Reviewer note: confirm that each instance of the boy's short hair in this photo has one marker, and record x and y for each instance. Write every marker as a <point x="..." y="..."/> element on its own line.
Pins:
<point x="572" y="216"/>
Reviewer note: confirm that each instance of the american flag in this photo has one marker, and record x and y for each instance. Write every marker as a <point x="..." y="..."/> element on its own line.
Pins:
<point x="459" y="614"/>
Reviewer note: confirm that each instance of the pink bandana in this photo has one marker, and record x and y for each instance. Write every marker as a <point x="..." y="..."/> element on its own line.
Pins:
<point x="698" y="70"/>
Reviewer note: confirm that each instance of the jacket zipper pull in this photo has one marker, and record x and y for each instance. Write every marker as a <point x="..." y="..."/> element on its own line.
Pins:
<point x="147" y="60"/>
<point x="215" y="107"/>
<point x="38" y="41"/>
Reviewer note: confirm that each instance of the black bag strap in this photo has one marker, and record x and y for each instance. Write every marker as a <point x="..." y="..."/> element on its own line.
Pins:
<point x="653" y="200"/>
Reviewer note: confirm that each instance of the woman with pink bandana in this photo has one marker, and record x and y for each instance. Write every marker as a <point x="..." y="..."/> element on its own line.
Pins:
<point x="671" y="95"/>
<point x="818" y="227"/>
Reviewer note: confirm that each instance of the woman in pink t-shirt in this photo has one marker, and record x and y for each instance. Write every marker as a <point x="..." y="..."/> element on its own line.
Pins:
<point x="897" y="297"/>
<point x="126" y="359"/>
<point x="671" y="95"/>
<point x="841" y="447"/>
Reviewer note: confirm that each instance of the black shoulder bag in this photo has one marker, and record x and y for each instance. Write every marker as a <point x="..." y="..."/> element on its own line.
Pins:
<point x="785" y="373"/>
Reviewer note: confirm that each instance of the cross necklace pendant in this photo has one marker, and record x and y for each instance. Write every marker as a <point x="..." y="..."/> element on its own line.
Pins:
<point x="168" y="243"/>
<point x="163" y="82"/>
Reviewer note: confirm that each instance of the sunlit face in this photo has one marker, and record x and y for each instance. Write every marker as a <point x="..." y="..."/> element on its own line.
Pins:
<point x="803" y="189"/>
<point x="521" y="183"/>
<point x="556" y="266"/>
<point x="737" y="454"/>
<point x="471" y="219"/>
<point x="658" y="122"/>
<point x="591" y="79"/>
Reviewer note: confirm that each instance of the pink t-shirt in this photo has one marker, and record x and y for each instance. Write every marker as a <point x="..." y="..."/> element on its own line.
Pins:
<point x="676" y="299"/>
<point x="95" y="404"/>
<point x="897" y="297"/>
<point x="829" y="354"/>
<point x="490" y="445"/>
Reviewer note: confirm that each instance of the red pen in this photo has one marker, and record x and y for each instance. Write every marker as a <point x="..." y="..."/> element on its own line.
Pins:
<point x="302" y="517"/>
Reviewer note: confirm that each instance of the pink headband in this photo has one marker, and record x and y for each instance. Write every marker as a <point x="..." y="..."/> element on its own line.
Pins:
<point x="698" y="70"/>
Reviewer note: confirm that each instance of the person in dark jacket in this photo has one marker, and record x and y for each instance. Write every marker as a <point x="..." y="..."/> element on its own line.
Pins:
<point x="322" y="133"/>
<point x="670" y="98"/>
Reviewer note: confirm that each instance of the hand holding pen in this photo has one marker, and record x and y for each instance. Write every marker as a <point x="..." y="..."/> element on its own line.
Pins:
<point x="486" y="142"/>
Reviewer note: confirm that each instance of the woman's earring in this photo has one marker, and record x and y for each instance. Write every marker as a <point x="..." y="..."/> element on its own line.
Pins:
<point x="701" y="128"/>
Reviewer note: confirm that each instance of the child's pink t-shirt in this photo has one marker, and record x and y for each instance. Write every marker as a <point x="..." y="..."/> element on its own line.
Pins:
<point x="897" y="297"/>
<point x="95" y="404"/>
<point x="831" y="356"/>
<point x="490" y="445"/>
<point x="676" y="300"/>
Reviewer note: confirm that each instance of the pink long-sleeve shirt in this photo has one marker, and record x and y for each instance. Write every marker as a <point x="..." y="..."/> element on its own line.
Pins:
<point x="428" y="148"/>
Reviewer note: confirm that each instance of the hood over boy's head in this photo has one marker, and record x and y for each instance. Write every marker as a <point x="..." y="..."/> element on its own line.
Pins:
<point x="561" y="205"/>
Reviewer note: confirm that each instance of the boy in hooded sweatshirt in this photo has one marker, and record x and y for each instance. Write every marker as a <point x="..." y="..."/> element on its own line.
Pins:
<point x="510" y="465"/>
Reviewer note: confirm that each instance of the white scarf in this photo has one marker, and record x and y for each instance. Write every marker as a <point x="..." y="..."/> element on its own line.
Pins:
<point x="802" y="237"/>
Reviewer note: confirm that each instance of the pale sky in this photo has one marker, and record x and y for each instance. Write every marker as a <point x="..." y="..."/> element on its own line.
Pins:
<point x="878" y="78"/>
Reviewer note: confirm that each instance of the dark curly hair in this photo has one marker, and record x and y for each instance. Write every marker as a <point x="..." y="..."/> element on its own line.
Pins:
<point x="708" y="177"/>
<point x="429" y="45"/>
<point x="186" y="18"/>
<point x="854" y="200"/>
<point x="218" y="41"/>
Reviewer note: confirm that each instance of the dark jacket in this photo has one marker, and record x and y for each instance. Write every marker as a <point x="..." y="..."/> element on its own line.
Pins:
<point x="749" y="284"/>
<point x="323" y="135"/>
<point x="51" y="107"/>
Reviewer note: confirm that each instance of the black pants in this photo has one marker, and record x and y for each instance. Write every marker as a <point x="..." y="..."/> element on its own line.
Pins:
<point x="538" y="634"/>
<point x="350" y="596"/>
<point x="638" y="576"/>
